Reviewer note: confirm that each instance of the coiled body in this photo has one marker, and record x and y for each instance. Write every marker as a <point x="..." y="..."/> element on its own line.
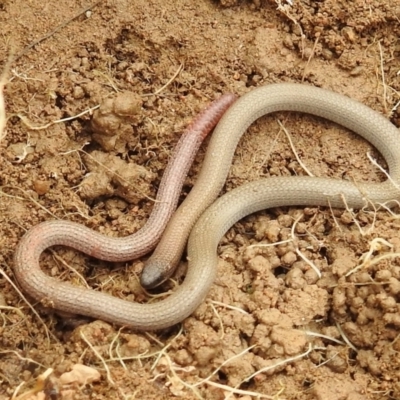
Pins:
<point x="215" y="221"/>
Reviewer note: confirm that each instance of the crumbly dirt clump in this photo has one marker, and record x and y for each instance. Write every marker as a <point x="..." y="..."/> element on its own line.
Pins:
<point x="306" y="304"/>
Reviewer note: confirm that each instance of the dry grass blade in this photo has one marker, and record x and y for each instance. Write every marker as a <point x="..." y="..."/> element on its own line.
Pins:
<point x="27" y="302"/>
<point x="294" y="149"/>
<point x="3" y="82"/>
<point x="295" y="243"/>
<point x="376" y="245"/>
<point x="28" y="198"/>
<point x="98" y="355"/>
<point x="39" y="386"/>
<point x="345" y="338"/>
<point x="269" y="367"/>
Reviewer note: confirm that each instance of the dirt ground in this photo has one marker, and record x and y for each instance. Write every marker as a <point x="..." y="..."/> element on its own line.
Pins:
<point x="269" y="327"/>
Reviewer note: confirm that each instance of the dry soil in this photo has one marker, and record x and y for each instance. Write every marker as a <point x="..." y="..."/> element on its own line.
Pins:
<point x="164" y="60"/>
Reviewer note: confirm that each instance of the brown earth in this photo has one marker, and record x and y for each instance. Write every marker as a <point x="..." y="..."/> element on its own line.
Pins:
<point x="266" y="297"/>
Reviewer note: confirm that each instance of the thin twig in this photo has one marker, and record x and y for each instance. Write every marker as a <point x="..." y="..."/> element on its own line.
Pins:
<point x="59" y="27"/>
<point x="166" y="85"/>
<point x="40" y="127"/>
